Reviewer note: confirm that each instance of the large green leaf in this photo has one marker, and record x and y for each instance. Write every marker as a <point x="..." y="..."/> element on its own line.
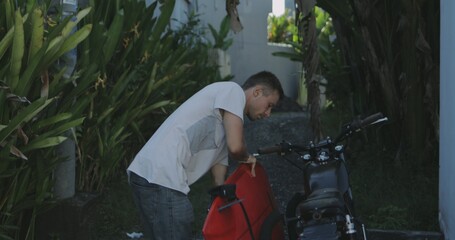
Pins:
<point x="106" y="113"/>
<point x="9" y="13"/>
<point x="51" y="121"/>
<point x="34" y="67"/>
<point x="64" y="41"/>
<point x="60" y="128"/>
<point x="121" y="84"/>
<point x="17" y="51"/>
<point x="74" y="21"/>
<point x="37" y="36"/>
<point x="24" y="116"/>
<point x="73" y="40"/>
<point x="113" y="35"/>
<point x="40" y="143"/>
<point x="6" y="42"/>
<point x="52" y="50"/>
<point x="95" y="48"/>
<point x="155" y="106"/>
<point x="166" y="9"/>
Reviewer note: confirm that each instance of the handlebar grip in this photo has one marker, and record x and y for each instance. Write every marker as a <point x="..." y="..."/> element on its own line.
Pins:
<point x="268" y="150"/>
<point x="370" y="119"/>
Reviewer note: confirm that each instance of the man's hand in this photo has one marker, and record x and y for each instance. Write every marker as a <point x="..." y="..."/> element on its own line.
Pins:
<point x="251" y="160"/>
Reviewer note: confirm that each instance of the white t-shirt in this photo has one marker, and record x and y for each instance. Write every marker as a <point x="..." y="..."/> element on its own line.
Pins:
<point x="191" y="140"/>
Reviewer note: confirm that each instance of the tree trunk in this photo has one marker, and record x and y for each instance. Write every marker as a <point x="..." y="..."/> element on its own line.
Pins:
<point x="306" y="24"/>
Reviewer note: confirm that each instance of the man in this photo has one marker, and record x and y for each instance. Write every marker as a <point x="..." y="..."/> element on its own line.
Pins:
<point x="197" y="137"/>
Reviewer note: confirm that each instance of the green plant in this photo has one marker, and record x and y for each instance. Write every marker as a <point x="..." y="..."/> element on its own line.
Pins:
<point x="220" y="40"/>
<point x="115" y="214"/>
<point x="389" y="75"/>
<point x="386" y="196"/>
<point x="281" y="29"/>
<point x="29" y="125"/>
<point x="114" y="90"/>
<point x="389" y="217"/>
<point x="331" y="63"/>
<point x="134" y="69"/>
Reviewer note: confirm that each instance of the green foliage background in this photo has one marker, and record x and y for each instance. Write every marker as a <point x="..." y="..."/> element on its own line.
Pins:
<point x="132" y="70"/>
<point x="382" y="56"/>
<point x="281" y="29"/>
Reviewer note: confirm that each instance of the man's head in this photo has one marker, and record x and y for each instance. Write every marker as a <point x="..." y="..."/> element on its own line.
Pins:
<point x="262" y="90"/>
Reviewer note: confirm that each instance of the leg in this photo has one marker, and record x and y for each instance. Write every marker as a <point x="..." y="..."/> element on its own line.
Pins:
<point x="144" y="192"/>
<point x="165" y="213"/>
<point x="177" y="216"/>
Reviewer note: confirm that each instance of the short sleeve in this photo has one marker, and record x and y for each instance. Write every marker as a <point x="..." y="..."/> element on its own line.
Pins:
<point x="231" y="98"/>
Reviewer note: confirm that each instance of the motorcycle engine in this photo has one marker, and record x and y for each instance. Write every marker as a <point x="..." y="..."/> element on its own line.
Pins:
<point x="323" y="231"/>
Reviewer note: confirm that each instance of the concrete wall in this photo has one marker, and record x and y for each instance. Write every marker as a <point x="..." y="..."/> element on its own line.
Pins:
<point x="447" y="121"/>
<point x="250" y="52"/>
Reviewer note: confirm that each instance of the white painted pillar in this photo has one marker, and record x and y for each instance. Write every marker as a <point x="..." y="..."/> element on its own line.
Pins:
<point x="65" y="172"/>
<point x="447" y="121"/>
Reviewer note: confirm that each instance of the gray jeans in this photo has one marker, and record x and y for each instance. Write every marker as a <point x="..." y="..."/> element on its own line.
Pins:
<point x="166" y="214"/>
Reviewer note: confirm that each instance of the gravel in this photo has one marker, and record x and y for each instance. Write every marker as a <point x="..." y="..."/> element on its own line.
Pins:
<point x="290" y="124"/>
<point x="285" y="179"/>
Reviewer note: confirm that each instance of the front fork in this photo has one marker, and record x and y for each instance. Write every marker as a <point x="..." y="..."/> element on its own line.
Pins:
<point x="350" y="229"/>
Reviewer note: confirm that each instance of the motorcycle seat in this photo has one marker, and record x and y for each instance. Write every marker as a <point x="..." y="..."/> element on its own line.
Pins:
<point x="323" y="199"/>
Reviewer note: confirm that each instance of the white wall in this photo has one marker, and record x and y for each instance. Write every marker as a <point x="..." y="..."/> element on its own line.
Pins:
<point x="447" y="121"/>
<point x="250" y="52"/>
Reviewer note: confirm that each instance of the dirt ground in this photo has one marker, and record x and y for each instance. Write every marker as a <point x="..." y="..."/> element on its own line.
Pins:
<point x="285" y="179"/>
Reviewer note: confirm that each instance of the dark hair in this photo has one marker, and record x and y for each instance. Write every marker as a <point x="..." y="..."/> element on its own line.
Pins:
<point x="267" y="79"/>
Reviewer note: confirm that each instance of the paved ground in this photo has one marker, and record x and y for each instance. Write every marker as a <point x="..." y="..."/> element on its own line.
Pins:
<point x="284" y="178"/>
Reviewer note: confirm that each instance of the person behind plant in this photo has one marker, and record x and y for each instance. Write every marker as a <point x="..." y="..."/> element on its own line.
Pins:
<point x="197" y="137"/>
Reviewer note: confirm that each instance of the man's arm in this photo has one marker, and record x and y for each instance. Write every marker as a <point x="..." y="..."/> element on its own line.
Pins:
<point x="233" y="128"/>
<point x="219" y="174"/>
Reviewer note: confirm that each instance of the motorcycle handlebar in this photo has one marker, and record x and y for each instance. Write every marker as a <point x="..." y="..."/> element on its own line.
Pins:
<point x="355" y="125"/>
<point x="371" y="119"/>
<point x="358" y="124"/>
<point x="361" y="123"/>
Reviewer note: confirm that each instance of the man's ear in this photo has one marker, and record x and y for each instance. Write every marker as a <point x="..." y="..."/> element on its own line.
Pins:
<point x="257" y="91"/>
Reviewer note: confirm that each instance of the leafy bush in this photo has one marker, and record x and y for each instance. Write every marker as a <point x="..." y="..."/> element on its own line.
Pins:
<point x="148" y="70"/>
<point x="131" y="72"/>
<point x="281" y="29"/>
<point x="30" y="125"/>
<point x="389" y="217"/>
<point x="387" y="196"/>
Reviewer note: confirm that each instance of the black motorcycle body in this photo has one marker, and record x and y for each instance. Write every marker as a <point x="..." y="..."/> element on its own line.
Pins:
<point x="324" y="210"/>
<point x="326" y="202"/>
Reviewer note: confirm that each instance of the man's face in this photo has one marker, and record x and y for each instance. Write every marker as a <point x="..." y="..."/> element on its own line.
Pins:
<point x="261" y="104"/>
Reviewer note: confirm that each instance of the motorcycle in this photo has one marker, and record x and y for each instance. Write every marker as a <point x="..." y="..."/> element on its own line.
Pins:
<point x="324" y="210"/>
